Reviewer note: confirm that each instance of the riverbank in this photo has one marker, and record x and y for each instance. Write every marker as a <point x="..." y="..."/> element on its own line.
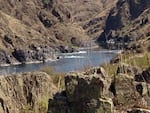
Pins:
<point x="67" y="62"/>
<point x="30" y="62"/>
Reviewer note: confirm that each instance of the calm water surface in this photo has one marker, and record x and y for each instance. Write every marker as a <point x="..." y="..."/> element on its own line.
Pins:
<point x="68" y="62"/>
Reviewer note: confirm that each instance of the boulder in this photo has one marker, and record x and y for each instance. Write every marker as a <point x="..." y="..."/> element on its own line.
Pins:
<point x="20" y="55"/>
<point x="78" y="87"/>
<point x="124" y="91"/>
<point x="106" y="106"/>
<point x="83" y="94"/>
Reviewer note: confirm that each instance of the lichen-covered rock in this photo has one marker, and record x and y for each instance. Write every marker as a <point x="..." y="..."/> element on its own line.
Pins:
<point x="83" y="94"/>
<point x="130" y="92"/>
<point x="28" y="92"/>
<point x="78" y="87"/>
<point x="143" y="85"/>
<point x="106" y="106"/>
<point x="125" y="93"/>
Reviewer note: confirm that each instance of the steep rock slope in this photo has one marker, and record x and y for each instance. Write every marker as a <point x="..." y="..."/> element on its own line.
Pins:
<point x="95" y="92"/>
<point x="128" y="21"/>
<point x="89" y="14"/>
<point x="38" y="28"/>
<point x="26" y="92"/>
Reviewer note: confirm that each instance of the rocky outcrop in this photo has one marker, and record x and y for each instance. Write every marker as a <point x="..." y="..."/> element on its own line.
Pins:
<point x="131" y="92"/>
<point x="127" y="21"/>
<point x="92" y="91"/>
<point x="83" y="94"/>
<point x="26" y="92"/>
<point x="19" y="55"/>
<point x="95" y="92"/>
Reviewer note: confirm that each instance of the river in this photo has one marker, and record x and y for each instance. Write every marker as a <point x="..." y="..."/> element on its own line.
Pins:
<point x="67" y="62"/>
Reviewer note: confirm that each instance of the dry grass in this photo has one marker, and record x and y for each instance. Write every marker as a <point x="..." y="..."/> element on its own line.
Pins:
<point x="57" y="77"/>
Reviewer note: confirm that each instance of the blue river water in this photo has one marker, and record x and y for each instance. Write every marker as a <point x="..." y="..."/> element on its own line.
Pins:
<point x="67" y="62"/>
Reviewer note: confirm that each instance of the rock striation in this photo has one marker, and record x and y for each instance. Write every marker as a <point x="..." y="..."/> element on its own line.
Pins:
<point x="83" y="94"/>
<point x="25" y="93"/>
<point x="92" y="91"/>
<point x="95" y="92"/>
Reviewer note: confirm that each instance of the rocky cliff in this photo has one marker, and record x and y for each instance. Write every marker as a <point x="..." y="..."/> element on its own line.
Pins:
<point x="95" y="92"/>
<point x="26" y="93"/>
<point x="92" y="91"/>
<point x="127" y="22"/>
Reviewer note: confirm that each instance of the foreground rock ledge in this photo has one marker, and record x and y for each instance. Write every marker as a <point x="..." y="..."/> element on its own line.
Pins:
<point x="83" y="94"/>
<point x="95" y="92"/>
<point x="25" y="93"/>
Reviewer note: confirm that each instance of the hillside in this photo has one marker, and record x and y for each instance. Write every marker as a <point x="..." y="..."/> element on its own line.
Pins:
<point x="127" y="22"/>
<point x="33" y="30"/>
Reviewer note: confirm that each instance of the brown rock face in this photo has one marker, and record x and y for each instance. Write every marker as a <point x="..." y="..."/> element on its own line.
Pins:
<point x="24" y="93"/>
<point x="83" y="94"/>
<point x="92" y="92"/>
<point x="86" y="92"/>
<point x="129" y="20"/>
